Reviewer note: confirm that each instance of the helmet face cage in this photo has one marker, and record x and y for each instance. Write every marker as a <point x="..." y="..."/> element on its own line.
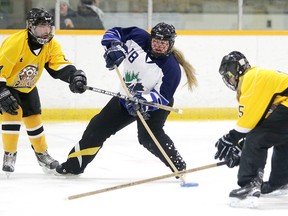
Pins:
<point x="232" y="67"/>
<point x="36" y="18"/>
<point x="166" y="32"/>
<point x="229" y="75"/>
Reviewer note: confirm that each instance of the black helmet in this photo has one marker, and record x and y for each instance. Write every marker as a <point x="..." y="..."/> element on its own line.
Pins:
<point x="36" y="17"/>
<point x="232" y="67"/>
<point x="88" y="2"/>
<point x="163" y="31"/>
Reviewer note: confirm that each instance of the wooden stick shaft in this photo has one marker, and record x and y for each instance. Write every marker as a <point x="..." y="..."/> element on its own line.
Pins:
<point x="148" y="129"/>
<point x="144" y="181"/>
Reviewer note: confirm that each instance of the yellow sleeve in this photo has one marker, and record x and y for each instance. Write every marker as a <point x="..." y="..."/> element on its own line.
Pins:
<point x="56" y="58"/>
<point x="9" y="54"/>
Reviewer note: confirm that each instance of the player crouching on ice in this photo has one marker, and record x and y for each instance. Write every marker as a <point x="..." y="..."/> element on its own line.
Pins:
<point x="23" y="56"/>
<point x="263" y="123"/>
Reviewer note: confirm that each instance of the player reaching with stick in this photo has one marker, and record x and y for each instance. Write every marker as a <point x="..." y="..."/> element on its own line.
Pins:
<point x="263" y="123"/>
<point x="23" y="56"/>
<point x="151" y="72"/>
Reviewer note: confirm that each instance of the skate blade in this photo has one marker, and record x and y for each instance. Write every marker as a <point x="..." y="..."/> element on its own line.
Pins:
<point x="47" y="170"/>
<point x="249" y="202"/>
<point x="68" y="175"/>
<point x="276" y="193"/>
<point x="7" y="174"/>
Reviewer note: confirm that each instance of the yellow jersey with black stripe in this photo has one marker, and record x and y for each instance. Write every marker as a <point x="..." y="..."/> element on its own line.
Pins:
<point x="21" y="68"/>
<point x="260" y="88"/>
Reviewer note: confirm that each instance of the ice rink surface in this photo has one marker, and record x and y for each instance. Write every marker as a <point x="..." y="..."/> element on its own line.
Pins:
<point x="28" y="191"/>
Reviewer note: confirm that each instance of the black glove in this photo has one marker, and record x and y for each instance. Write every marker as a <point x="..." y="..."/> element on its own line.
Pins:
<point x="229" y="148"/>
<point x="233" y="157"/>
<point x="8" y="103"/>
<point x="78" y="81"/>
<point x="133" y="106"/>
<point x="115" y="54"/>
<point x="224" y="145"/>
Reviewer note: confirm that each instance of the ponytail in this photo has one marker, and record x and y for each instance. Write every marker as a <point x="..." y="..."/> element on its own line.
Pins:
<point x="188" y="68"/>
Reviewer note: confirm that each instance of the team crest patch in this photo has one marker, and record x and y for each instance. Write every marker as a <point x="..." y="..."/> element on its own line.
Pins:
<point x="133" y="81"/>
<point x="27" y="77"/>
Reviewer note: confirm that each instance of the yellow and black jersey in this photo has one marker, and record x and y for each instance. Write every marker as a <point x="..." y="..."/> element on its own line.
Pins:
<point x="260" y="89"/>
<point x="21" y="68"/>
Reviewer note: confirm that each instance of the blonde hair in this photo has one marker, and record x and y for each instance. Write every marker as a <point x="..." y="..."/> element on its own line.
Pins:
<point x="188" y="68"/>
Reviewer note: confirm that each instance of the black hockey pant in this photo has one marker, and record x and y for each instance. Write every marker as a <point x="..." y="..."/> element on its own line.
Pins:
<point x="112" y="118"/>
<point x="271" y="132"/>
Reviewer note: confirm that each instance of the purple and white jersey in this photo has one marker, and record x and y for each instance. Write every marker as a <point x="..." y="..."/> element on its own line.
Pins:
<point x="156" y="78"/>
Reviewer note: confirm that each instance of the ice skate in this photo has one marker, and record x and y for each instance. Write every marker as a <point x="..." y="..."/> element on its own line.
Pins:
<point x="268" y="190"/>
<point x="247" y="196"/>
<point x="9" y="160"/>
<point x="61" y="171"/>
<point x="47" y="163"/>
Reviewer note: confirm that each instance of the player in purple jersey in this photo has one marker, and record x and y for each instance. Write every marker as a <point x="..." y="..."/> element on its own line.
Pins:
<point x="151" y="71"/>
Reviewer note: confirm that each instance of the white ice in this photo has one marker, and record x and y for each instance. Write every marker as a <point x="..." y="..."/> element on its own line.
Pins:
<point x="28" y="191"/>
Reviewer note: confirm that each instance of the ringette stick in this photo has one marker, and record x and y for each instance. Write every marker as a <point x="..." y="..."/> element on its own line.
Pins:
<point x="160" y="106"/>
<point x="144" y="181"/>
<point x="148" y="129"/>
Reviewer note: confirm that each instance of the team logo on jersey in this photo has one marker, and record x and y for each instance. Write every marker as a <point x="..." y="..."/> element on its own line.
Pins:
<point x="132" y="81"/>
<point x="27" y="77"/>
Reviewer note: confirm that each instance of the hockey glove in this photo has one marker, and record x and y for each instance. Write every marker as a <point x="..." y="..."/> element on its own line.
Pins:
<point x="229" y="147"/>
<point x="8" y="103"/>
<point x="224" y="145"/>
<point x="233" y="157"/>
<point x="78" y="81"/>
<point x="134" y="106"/>
<point x="115" y="54"/>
